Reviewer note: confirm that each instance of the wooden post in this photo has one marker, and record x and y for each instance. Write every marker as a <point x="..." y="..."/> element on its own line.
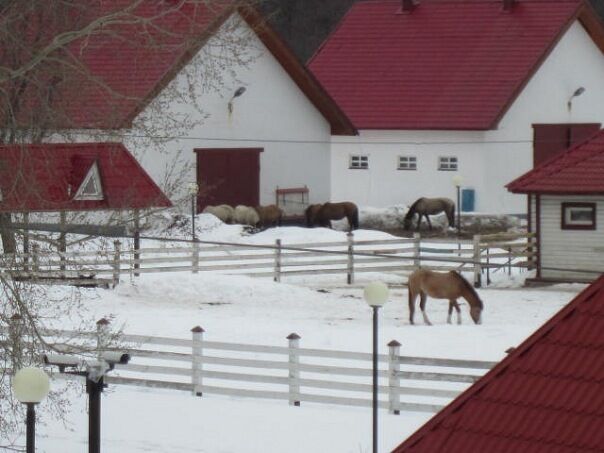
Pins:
<point x="137" y="242"/>
<point x="394" y="381"/>
<point x="63" y="240"/>
<point x="477" y="263"/>
<point x="26" y="248"/>
<point x="195" y="257"/>
<point x="294" y="369"/>
<point x="116" y="262"/>
<point x="510" y="260"/>
<point x="35" y="259"/>
<point x="277" y="271"/>
<point x="197" y="360"/>
<point x="15" y="330"/>
<point x="416" y="251"/>
<point x="350" y="272"/>
<point x="102" y="337"/>
<point x="488" y="266"/>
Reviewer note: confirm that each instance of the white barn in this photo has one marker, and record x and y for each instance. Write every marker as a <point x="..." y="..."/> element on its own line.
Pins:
<point x="439" y="88"/>
<point x="566" y="212"/>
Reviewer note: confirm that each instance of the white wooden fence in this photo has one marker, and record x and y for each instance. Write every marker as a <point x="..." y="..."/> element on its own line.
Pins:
<point x="279" y="260"/>
<point x="290" y="372"/>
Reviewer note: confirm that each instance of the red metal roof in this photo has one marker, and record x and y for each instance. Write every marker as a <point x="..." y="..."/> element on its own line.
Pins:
<point x="449" y="64"/>
<point x="46" y="177"/>
<point x="578" y="170"/>
<point x="545" y="396"/>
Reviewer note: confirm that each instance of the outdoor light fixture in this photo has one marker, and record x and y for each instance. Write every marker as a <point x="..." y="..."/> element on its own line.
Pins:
<point x="457" y="182"/>
<point x="578" y="92"/>
<point x="193" y="191"/>
<point x="376" y="295"/>
<point x="238" y="92"/>
<point x="30" y="386"/>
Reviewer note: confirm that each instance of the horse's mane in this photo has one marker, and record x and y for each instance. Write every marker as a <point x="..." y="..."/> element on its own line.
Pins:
<point x="412" y="209"/>
<point x="469" y="287"/>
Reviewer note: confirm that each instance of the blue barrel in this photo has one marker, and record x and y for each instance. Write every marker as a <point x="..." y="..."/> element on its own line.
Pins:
<point x="468" y="197"/>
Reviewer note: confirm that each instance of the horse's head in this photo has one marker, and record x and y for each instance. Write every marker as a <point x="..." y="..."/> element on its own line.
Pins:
<point x="476" y="314"/>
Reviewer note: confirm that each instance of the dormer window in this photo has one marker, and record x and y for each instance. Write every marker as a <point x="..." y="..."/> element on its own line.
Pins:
<point x="91" y="188"/>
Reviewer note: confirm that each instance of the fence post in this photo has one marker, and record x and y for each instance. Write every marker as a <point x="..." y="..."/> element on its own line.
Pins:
<point x="116" y="262"/>
<point x="488" y="266"/>
<point x="102" y="336"/>
<point x="15" y="329"/>
<point x="197" y="360"/>
<point x="510" y="260"/>
<point x="394" y="381"/>
<point x="477" y="262"/>
<point x="35" y="258"/>
<point x="294" y="369"/>
<point x="137" y="255"/>
<point x="416" y="251"/>
<point x="350" y="272"/>
<point x="195" y="258"/>
<point x="277" y="271"/>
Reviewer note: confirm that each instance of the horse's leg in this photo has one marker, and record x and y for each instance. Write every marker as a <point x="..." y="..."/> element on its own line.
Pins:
<point x="422" y="306"/>
<point x="429" y="223"/>
<point x="412" y="297"/>
<point x="450" y="311"/>
<point x="458" y="310"/>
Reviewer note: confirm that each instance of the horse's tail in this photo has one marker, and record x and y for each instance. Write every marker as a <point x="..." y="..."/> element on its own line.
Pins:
<point x="451" y="214"/>
<point x="354" y="225"/>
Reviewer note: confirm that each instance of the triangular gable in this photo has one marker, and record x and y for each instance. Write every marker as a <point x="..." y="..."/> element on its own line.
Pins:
<point x="91" y="187"/>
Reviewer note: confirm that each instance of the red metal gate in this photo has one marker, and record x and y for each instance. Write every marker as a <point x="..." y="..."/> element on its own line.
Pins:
<point x="228" y="176"/>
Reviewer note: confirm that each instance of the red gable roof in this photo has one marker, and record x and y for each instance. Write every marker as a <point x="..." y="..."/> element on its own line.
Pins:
<point x="578" y="170"/>
<point x="545" y="396"/>
<point x="126" y="64"/>
<point x="49" y="175"/>
<point x="448" y="64"/>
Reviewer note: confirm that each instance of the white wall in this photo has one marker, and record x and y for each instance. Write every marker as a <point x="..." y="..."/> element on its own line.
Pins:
<point x="570" y="249"/>
<point x="272" y="114"/>
<point x="487" y="160"/>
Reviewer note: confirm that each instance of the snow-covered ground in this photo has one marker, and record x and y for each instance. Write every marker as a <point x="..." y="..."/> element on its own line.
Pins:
<point x="247" y="310"/>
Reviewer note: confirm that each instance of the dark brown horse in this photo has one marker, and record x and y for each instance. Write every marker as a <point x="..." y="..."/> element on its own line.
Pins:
<point x="424" y="207"/>
<point x="270" y="215"/>
<point x="322" y="215"/>
<point x="443" y="285"/>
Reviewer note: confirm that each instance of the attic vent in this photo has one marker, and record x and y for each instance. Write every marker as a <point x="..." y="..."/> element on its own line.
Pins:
<point x="91" y="188"/>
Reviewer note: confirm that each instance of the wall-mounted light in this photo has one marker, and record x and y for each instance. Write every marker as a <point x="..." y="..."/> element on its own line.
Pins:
<point x="238" y="92"/>
<point x="578" y="92"/>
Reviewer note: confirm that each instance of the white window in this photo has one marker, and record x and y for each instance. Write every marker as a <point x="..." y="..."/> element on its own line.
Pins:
<point x="578" y="216"/>
<point x="407" y="163"/>
<point x="359" y="162"/>
<point x="447" y="163"/>
<point x="91" y="188"/>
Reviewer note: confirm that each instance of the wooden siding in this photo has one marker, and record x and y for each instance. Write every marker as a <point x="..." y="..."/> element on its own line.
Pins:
<point x="570" y="249"/>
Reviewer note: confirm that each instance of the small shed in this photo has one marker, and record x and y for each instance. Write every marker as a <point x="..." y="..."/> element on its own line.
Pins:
<point x="545" y="396"/>
<point x="566" y="212"/>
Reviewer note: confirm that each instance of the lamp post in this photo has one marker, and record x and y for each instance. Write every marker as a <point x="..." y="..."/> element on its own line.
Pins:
<point x="578" y="92"/>
<point x="30" y="386"/>
<point x="375" y="294"/>
<point x="193" y="191"/>
<point x="457" y="182"/>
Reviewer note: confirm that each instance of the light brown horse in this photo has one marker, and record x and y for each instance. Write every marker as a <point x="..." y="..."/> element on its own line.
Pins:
<point x="425" y="207"/>
<point x="270" y="215"/>
<point x="325" y="213"/>
<point x="443" y="285"/>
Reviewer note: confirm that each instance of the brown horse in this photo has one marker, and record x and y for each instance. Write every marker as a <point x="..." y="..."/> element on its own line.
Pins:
<point x="270" y="215"/>
<point x="429" y="206"/>
<point x="443" y="285"/>
<point x="322" y="215"/>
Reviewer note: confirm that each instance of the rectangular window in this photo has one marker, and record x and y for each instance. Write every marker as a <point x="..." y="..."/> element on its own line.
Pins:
<point x="407" y="163"/>
<point x="358" y="162"/>
<point x="447" y="163"/>
<point x="578" y="216"/>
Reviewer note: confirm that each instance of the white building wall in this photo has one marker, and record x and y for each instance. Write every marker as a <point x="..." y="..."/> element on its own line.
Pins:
<point x="273" y="114"/>
<point x="487" y="160"/>
<point x="570" y="249"/>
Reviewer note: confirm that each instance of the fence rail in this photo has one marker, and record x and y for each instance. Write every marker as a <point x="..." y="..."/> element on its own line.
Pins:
<point x="289" y="372"/>
<point x="280" y="260"/>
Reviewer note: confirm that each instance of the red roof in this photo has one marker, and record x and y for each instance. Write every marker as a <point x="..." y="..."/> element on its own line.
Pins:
<point x="578" y="170"/>
<point x="545" y="396"/>
<point x="125" y="65"/>
<point x="449" y="64"/>
<point x="47" y="178"/>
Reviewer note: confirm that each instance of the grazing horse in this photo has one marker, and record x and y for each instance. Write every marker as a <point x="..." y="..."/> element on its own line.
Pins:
<point x="429" y="206"/>
<point x="224" y="212"/>
<point x="325" y="213"/>
<point x="443" y="285"/>
<point x="245" y="215"/>
<point x="270" y="215"/>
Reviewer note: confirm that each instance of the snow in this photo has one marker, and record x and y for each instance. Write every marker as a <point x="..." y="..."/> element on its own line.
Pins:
<point x="259" y="311"/>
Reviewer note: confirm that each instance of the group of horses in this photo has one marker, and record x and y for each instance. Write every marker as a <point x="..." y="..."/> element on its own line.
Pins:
<point x="257" y="216"/>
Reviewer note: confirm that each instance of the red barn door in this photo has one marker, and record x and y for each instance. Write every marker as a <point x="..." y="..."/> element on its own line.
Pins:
<point x="228" y="176"/>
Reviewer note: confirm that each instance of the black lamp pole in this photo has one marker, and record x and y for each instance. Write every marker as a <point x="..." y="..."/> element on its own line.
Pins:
<point x="375" y="378"/>
<point x="30" y="428"/>
<point x="94" y="390"/>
